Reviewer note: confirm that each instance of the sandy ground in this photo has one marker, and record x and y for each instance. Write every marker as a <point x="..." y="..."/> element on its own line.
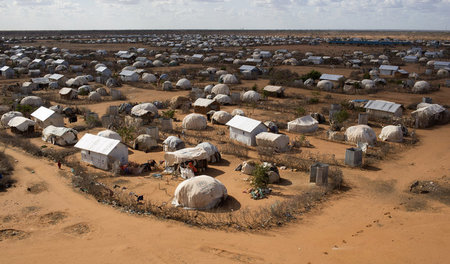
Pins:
<point x="377" y="221"/>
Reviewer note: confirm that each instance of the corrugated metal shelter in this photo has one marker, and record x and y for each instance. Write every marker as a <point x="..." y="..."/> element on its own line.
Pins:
<point x="383" y="109"/>
<point x="244" y="129"/>
<point x="388" y="70"/>
<point x="102" y="152"/>
<point x="45" y="117"/>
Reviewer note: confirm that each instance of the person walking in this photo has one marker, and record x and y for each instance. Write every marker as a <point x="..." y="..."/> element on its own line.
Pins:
<point x="59" y="164"/>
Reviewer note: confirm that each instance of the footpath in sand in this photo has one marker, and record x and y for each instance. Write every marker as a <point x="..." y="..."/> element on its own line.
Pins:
<point x="376" y="221"/>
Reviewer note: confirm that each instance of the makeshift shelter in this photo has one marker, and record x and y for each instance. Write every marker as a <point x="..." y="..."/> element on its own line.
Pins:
<point x="77" y="81"/>
<point x="167" y="86"/>
<point x="194" y="122"/>
<point x="149" y="78"/>
<point x="201" y="193"/>
<point x="377" y="109"/>
<point x="273" y="90"/>
<point x="181" y="158"/>
<point x="61" y="136"/>
<point x="21" y="125"/>
<point x="221" y="117"/>
<point x="220" y="89"/>
<point x="428" y="115"/>
<point x="129" y="76"/>
<point x="238" y="112"/>
<point x="145" y="143"/>
<point x="228" y="79"/>
<point x="203" y="106"/>
<point x="277" y="142"/>
<point x="391" y="133"/>
<point x="102" y="152"/>
<point x="109" y="134"/>
<point x="45" y="117"/>
<point x="146" y="111"/>
<point x="325" y="85"/>
<point x="421" y="87"/>
<point x="251" y="97"/>
<point x="94" y="96"/>
<point x="68" y="93"/>
<point x="173" y="143"/>
<point x="305" y="124"/>
<point x="388" y="70"/>
<point x="244" y="129"/>
<point x="360" y="134"/>
<point x="32" y="100"/>
<point x="184" y="84"/>
<point x="223" y="99"/>
<point x="7" y="72"/>
<point x="212" y="152"/>
<point x="8" y="116"/>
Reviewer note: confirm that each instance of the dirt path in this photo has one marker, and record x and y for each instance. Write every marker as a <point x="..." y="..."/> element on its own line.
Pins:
<point x="377" y="221"/>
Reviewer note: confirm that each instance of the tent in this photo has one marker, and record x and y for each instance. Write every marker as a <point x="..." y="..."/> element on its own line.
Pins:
<point x="184" y="155"/>
<point x="8" y="116"/>
<point x="68" y="93"/>
<point x="109" y="134"/>
<point x="325" y="85"/>
<point x="201" y="192"/>
<point x="220" y="89"/>
<point x="221" y="117"/>
<point x="144" y="109"/>
<point x="211" y="150"/>
<point x="94" y="96"/>
<point x="61" y="136"/>
<point x="237" y="112"/>
<point x="251" y="97"/>
<point x="32" y="100"/>
<point x="194" y="122"/>
<point x="391" y="133"/>
<point x="184" y="84"/>
<point x="149" y="78"/>
<point x="21" y="124"/>
<point x="277" y="142"/>
<point x="203" y="105"/>
<point x="173" y="143"/>
<point x="305" y="124"/>
<point x="421" y="87"/>
<point x="428" y="115"/>
<point x="360" y="134"/>
<point x="144" y="143"/>
<point x="223" y="99"/>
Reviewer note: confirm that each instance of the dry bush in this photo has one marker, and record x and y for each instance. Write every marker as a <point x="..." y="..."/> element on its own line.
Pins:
<point x="6" y="169"/>
<point x="231" y="148"/>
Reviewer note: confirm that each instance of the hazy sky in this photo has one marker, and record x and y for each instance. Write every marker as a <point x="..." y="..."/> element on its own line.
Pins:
<point x="226" y="14"/>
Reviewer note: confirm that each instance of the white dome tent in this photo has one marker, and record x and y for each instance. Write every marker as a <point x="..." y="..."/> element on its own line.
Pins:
<point x="391" y="134"/>
<point x="223" y="99"/>
<point x="32" y="100"/>
<point x="360" y="134"/>
<point x="109" y="134"/>
<point x="201" y="192"/>
<point x="194" y="122"/>
<point x="144" y="143"/>
<point x="325" y="85"/>
<point x="305" y="124"/>
<point x="8" y="116"/>
<point x="251" y="97"/>
<point x="221" y="117"/>
<point x="220" y="89"/>
<point x="228" y="79"/>
<point x="421" y="87"/>
<point x="184" y="84"/>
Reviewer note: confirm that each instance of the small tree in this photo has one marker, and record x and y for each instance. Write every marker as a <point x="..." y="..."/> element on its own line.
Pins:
<point x="169" y="114"/>
<point x="300" y="111"/>
<point x="127" y="133"/>
<point x="340" y="116"/>
<point x="260" y="178"/>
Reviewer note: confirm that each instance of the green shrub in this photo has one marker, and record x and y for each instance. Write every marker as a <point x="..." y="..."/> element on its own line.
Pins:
<point x="313" y="100"/>
<point x="255" y="87"/>
<point x="341" y="116"/>
<point x="366" y="75"/>
<point x="260" y="179"/>
<point x="25" y="109"/>
<point x="313" y="74"/>
<point x="169" y="114"/>
<point x="300" y="111"/>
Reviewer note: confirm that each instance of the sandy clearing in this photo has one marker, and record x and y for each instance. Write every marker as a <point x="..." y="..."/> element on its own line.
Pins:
<point x="365" y="225"/>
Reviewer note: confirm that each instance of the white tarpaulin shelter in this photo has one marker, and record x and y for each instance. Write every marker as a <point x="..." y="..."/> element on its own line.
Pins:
<point x="221" y="117"/>
<point x="428" y="114"/>
<point x="278" y="142"/>
<point x="223" y="99"/>
<point x="184" y="84"/>
<point x="220" y="89"/>
<point x="194" y="122"/>
<point x="183" y="155"/>
<point x="21" y="123"/>
<point x="211" y="150"/>
<point x="45" y="117"/>
<point x="144" y="142"/>
<point x="109" y="134"/>
<point x="8" y="116"/>
<point x="201" y="192"/>
<point x="61" y="136"/>
<point x="173" y="143"/>
<point x="251" y="97"/>
<point x="143" y="109"/>
<point x="102" y="152"/>
<point x="305" y="124"/>
<point x="32" y="100"/>
<point x="360" y="133"/>
<point x="391" y="133"/>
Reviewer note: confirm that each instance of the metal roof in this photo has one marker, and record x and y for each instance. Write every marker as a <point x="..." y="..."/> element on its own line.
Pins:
<point x="382" y="106"/>
<point x="4" y="68"/>
<point x="97" y="144"/>
<point x="127" y="73"/>
<point x="56" y="76"/>
<point x="42" y="113"/>
<point x="243" y="123"/>
<point x="388" y="67"/>
<point x="331" y="77"/>
<point x="247" y="68"/>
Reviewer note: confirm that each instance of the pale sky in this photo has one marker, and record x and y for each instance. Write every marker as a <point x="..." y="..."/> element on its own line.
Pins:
<point x="224" y="14"/>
